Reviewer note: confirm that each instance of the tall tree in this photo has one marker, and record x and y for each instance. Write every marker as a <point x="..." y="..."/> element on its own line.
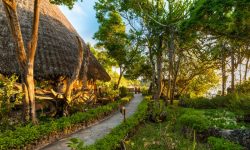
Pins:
<point x="112" y="35"/>
<point x="228" y="19"/>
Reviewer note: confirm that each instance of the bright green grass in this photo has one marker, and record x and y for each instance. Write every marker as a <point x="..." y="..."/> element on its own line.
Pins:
<point x="151" y="136"/>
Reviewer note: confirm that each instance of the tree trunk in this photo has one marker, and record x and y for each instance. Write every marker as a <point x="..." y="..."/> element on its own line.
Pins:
<point x="171" y="61"/>
<point x="26" y="62"/>
<point x="151" y="56"/>
<point x="120" y="77"/>
<point x="29" y="74"/>
<point x="159" y="60"/>
<point x="223" y="71"/>
<point x="175" y="78"/>
<point x="75" y="75"/>
<point x="246" y="69"/>
<point x="232" y="71"/>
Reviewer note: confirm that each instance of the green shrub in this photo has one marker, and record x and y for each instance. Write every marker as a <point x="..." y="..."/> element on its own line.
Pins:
<point x="123" y="91"/>
<point x="244" y="87"/>
<point x="125" y="99"/>
<point x="147" y="98"/>
<point x="200" y="102"/>
<point x="221" y="119"/>
<point x="144" y="91"/>
<point x="21" y="136"/>
<point x="157" y="111"/>
<point x="222" y="144"/>
<point x="239" y="103"/>
<point x="8" y="96"/>
<point x="113" y="139"/>
<point x="194" y="119"/>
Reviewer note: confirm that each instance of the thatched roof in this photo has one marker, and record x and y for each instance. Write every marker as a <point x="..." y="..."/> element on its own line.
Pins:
<point x="57" y="50"/>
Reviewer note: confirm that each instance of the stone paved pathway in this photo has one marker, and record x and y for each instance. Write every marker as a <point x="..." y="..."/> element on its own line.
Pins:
<point x="92" y="133"/>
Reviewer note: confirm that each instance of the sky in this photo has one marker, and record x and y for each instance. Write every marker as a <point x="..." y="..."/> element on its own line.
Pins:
<point x="82" y="17"/>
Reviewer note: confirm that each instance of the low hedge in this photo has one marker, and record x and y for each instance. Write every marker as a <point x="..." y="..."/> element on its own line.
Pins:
<point x="239" y="103"/>
<point x="113" y="139"/>
<point x="29" y="134"/>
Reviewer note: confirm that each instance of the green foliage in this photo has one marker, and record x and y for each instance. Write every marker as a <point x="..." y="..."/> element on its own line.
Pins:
<point x="75" y="143"/>
<point x="221" y="119"/>
<point x="159" y="136"/>
<point x="205" y="103"/>
<point x="201" y="120"/>
<point x="113" y="139"/>
<point x="243" y="87"/>
<point x="148" y="98"/>
<point x="69" y="3"/>
<point x="222" y="144"/>
<point x="203" y="82"/>
<point x="123" y="91"/>
<point x="144" y="91"/>
<point x="8" y="96"/>
<point x="24" y="135"/>
<point x="227" y="18"/>
<point x="239" y="103"/>
<point x="126" y="99"/>
<point x="157" y="111"/>
<point x="112" y="36"/>
<point x="194" y="119"/>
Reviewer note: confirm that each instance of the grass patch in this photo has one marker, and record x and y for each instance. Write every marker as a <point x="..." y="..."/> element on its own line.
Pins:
<point x="222" y="144"/>
<point x="159" y="136"/>
<point x="169" y="134"/>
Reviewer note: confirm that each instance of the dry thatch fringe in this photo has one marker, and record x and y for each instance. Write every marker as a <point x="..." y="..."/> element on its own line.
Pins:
<point x="57" y="50"/>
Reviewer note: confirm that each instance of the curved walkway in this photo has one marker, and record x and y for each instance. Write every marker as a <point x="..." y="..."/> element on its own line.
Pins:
<point x="92" y="133"/>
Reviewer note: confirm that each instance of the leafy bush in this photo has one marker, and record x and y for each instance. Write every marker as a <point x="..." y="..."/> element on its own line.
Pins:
<point x="147" y="98"/>
<point x="239" y="103"/>
<point x="125" y="99"/>
<point x="201" y="120"/>
<point x="222" y="119"/>
<point x="144" y="91"/>
<point x="8" y="96"/>
<point x="200" y="102"/>
<point x="24" y="135"/>
<point x="244" y="87"/>
<point x="157" y="111"/>
<point x="113" y="139"/>
<point x="222" y="144"/>
<point x="123" y="91"/>
<point x="194" y="119"/>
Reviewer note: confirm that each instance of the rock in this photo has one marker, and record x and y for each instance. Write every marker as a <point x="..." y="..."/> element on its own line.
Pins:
<point x="239" y="136"/>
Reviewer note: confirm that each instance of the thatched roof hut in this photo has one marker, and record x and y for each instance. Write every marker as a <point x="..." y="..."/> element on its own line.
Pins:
<point x="57" y="50"/>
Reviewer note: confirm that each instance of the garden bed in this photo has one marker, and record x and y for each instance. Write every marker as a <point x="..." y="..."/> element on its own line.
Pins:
<point x="188" y="128"/>
<point x="30" y="136"/>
